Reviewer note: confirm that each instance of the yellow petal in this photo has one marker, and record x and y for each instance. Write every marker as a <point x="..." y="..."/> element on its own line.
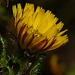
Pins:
<point x="36" y="40"/>
<point x="61" y="33"/>
<point x="60" y="25"/>
<point x="38" y="18"/>
<point x="50" y="33"/>
<point x="38" y="46"/>
<point x="26" y="41"/>
<point x="59" y="42"/>
<point x="14" y="9"/>
<point x="19" y="11"/>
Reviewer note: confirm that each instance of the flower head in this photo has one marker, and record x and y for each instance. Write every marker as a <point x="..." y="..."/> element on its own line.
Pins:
<point x="38" y="30"/>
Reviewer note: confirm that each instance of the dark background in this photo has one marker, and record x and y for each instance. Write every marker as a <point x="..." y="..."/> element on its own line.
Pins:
<point x="65" y="11"/>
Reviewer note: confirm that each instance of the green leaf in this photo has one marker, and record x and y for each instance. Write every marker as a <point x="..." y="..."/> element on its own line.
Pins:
<point x="35" y="66"/>
<point x="10" y="71"/>
<point x="3" y="59"/>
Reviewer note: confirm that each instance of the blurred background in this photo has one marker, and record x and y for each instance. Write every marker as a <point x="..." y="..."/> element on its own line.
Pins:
<point x="63" y="58"/>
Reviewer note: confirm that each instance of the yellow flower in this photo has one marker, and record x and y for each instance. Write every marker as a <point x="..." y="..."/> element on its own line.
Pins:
<point x="38" y="30"/>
